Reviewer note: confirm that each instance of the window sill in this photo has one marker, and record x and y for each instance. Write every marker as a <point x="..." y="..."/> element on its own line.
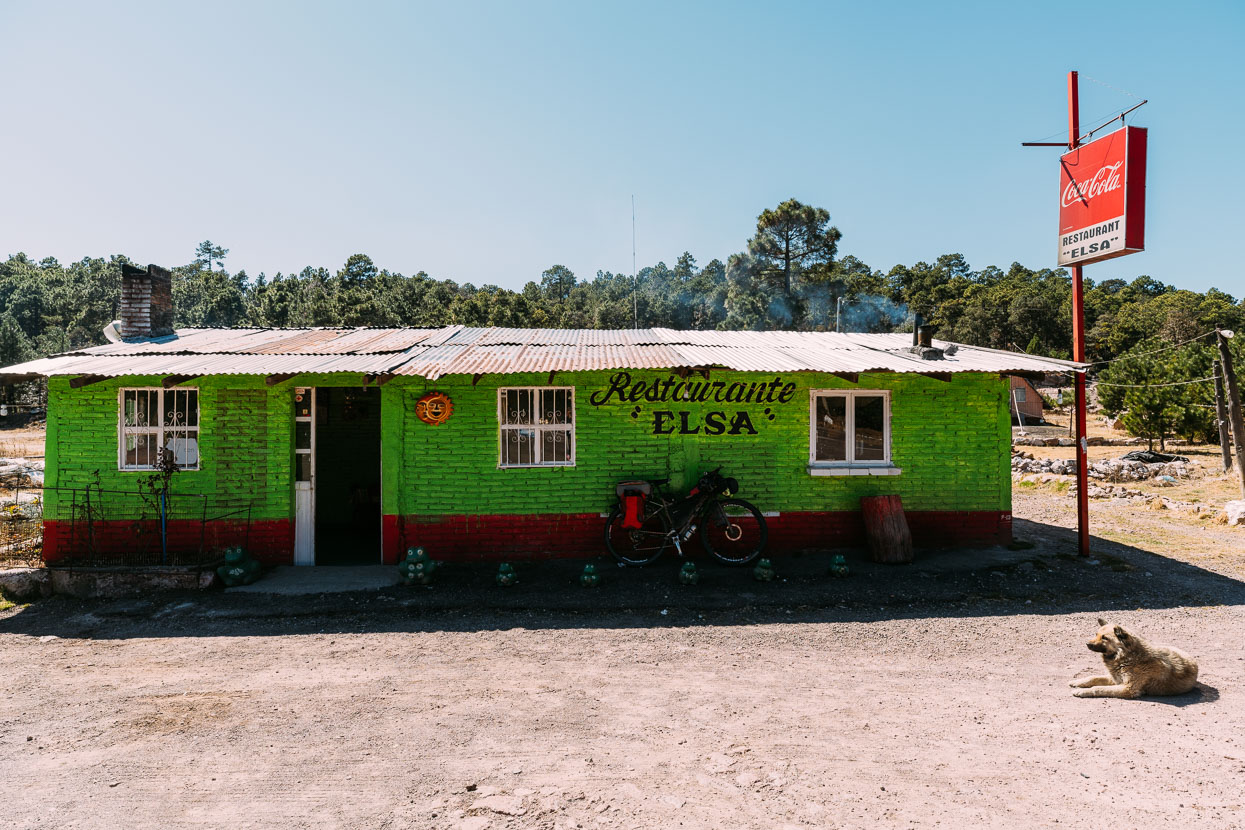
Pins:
<point x="854" y="470"/>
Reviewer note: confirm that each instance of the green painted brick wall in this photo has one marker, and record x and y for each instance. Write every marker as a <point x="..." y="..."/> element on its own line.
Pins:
<point x="246" y="435"/>
<point x="951" y="439"/>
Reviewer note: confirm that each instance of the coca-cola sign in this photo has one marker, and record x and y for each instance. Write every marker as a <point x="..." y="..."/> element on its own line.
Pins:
<point x="1102" y="198"/>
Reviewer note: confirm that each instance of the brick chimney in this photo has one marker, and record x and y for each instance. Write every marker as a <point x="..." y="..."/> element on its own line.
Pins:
<point x="146" y="302"/>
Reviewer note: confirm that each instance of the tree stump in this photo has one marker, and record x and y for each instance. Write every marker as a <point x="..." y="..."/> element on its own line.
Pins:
<point x="886" y="528"/>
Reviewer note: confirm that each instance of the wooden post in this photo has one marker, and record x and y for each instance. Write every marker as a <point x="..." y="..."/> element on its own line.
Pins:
<point x="1234" y="405"/>
<point x="1221" y="416"/>
<point x="886" y="528"/>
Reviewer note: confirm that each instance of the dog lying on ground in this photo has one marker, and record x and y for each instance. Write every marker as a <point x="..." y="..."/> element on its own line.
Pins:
<point x="1136" y="667"/>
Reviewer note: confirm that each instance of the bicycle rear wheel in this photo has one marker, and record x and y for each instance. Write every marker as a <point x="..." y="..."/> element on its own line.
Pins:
<point x="734" y="531"/>
<point x="637" y="546"/>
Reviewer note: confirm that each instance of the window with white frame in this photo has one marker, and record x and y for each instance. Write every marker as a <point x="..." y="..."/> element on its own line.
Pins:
<point x="158" y="420"/>
<point x="850" y="427"/>
<point x="537" y="426"/>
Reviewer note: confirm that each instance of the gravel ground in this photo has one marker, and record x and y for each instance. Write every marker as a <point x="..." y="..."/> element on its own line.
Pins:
<point x="922" y="696"/>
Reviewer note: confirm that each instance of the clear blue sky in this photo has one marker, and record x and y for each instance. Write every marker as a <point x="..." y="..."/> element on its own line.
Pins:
<point x="486" y="142"/>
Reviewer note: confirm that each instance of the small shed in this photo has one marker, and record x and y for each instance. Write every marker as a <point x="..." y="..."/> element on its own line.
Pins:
<point x="1026" y="401"/>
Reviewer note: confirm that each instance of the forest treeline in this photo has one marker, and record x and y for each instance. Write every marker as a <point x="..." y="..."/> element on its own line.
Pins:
<point x="789" y="276"/>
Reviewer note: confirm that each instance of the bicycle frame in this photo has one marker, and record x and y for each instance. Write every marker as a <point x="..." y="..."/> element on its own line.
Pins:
<point x="682" y="530"/>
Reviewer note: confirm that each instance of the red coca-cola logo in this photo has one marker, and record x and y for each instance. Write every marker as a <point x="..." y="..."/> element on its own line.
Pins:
<point x="1105" y="180"/>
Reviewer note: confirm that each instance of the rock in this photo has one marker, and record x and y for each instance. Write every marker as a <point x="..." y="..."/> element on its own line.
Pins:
<point x="1235" y="511"/>
<point x="25" y="584"/>
<point x="507" y="805"/>
<point x="1066" y="442"/>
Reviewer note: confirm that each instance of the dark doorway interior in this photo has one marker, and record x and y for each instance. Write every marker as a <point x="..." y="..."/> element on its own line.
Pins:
<point x="347" y="476"/>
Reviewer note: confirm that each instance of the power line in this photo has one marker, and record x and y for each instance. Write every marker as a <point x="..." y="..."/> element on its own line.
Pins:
<point x="1155" y="351"/>
<point x="1154" y="385"/>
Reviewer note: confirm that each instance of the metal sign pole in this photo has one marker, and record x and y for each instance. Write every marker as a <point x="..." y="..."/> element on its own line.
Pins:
<point x="1078" y="350"/>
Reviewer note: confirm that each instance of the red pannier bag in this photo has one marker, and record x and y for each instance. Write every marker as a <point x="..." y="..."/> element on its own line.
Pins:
<point x="633" y="494"/>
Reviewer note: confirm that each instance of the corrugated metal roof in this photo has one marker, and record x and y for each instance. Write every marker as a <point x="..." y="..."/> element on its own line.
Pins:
<point x="455" y="350"/>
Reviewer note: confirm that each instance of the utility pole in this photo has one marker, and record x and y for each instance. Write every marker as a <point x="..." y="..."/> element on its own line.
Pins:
<point x="1078" y="349"/>
<point x="1234" y="403"/>
<point x="1221" y="416"/>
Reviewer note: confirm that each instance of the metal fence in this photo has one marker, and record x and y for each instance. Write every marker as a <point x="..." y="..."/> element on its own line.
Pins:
<point x="21" y="527"/>
<point x="99" y="527"/>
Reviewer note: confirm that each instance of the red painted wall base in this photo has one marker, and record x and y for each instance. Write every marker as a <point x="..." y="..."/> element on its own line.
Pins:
<point x="580" y="535"/>
<point x="465" y="538"/>
<point x="138" y="542"/>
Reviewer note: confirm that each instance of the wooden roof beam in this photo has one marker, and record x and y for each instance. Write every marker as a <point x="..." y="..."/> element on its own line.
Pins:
<point x="85" y="380"/>
<point x="172" y="380"/>
<point x="850" y="377"/>
<point x="273" y="380"/>
<point x="945" y="377"/>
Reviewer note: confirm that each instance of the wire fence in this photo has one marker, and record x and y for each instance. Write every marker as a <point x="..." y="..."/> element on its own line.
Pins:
<point x="96" y="527"/>
<point x="21" y="527"/>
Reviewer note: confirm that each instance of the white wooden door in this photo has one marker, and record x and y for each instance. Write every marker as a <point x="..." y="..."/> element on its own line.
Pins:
<point x="304" y="476"/>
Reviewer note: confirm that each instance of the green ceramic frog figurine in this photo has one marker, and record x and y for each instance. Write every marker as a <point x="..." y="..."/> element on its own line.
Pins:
<point x="764" y="571"/>
<point x="688" y="575"/>
<point x="417" y="568"/>
<point x="506" y="575"/>
<point x="239" y="569"/>
<point x="590" y="578"/>
<point x="838" y="566"/>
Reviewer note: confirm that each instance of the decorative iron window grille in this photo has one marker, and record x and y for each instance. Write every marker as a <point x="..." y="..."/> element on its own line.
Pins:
<point x="154" y="421"/>
<point x="537" y="426"/>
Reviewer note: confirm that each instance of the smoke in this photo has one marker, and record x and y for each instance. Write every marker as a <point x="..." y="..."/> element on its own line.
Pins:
<point x="872" y="314"/>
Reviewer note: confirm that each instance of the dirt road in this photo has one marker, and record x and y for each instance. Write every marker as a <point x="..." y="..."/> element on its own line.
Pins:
<point x="929" y="696"/>
<point x="514" y="719"/>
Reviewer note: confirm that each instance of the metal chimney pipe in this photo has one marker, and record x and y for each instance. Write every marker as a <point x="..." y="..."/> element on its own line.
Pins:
<point x="917" y="322"/>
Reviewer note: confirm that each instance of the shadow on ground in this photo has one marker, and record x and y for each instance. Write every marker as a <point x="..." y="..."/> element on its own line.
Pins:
<point x="1049" y="578"/>
<point x="1201" y="693"/>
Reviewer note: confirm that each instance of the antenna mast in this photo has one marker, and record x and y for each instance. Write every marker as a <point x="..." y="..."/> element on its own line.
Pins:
<point x="635" y="283"/>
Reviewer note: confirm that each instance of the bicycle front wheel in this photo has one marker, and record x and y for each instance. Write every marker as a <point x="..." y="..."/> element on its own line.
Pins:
<point x="734" y="531"/>
<point x="637" y="546"/>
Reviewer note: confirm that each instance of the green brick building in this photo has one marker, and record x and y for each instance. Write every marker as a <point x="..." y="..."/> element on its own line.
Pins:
<point x="348" y="445"/>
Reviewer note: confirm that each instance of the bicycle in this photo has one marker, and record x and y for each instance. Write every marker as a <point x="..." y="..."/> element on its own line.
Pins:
<point x="647" y="519"/>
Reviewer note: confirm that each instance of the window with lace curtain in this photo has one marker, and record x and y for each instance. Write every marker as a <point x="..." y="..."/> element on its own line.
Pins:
<point x="157" y="420"/>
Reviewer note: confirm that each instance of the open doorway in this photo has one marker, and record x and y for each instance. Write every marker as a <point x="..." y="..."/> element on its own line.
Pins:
<point x="347" y="477"/>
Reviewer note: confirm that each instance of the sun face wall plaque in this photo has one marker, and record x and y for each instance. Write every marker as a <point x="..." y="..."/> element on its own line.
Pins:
<point x="434" y="408"/>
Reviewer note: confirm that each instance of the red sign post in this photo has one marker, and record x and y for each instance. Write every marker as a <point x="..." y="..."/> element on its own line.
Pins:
<point x="1102" y="214"/>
